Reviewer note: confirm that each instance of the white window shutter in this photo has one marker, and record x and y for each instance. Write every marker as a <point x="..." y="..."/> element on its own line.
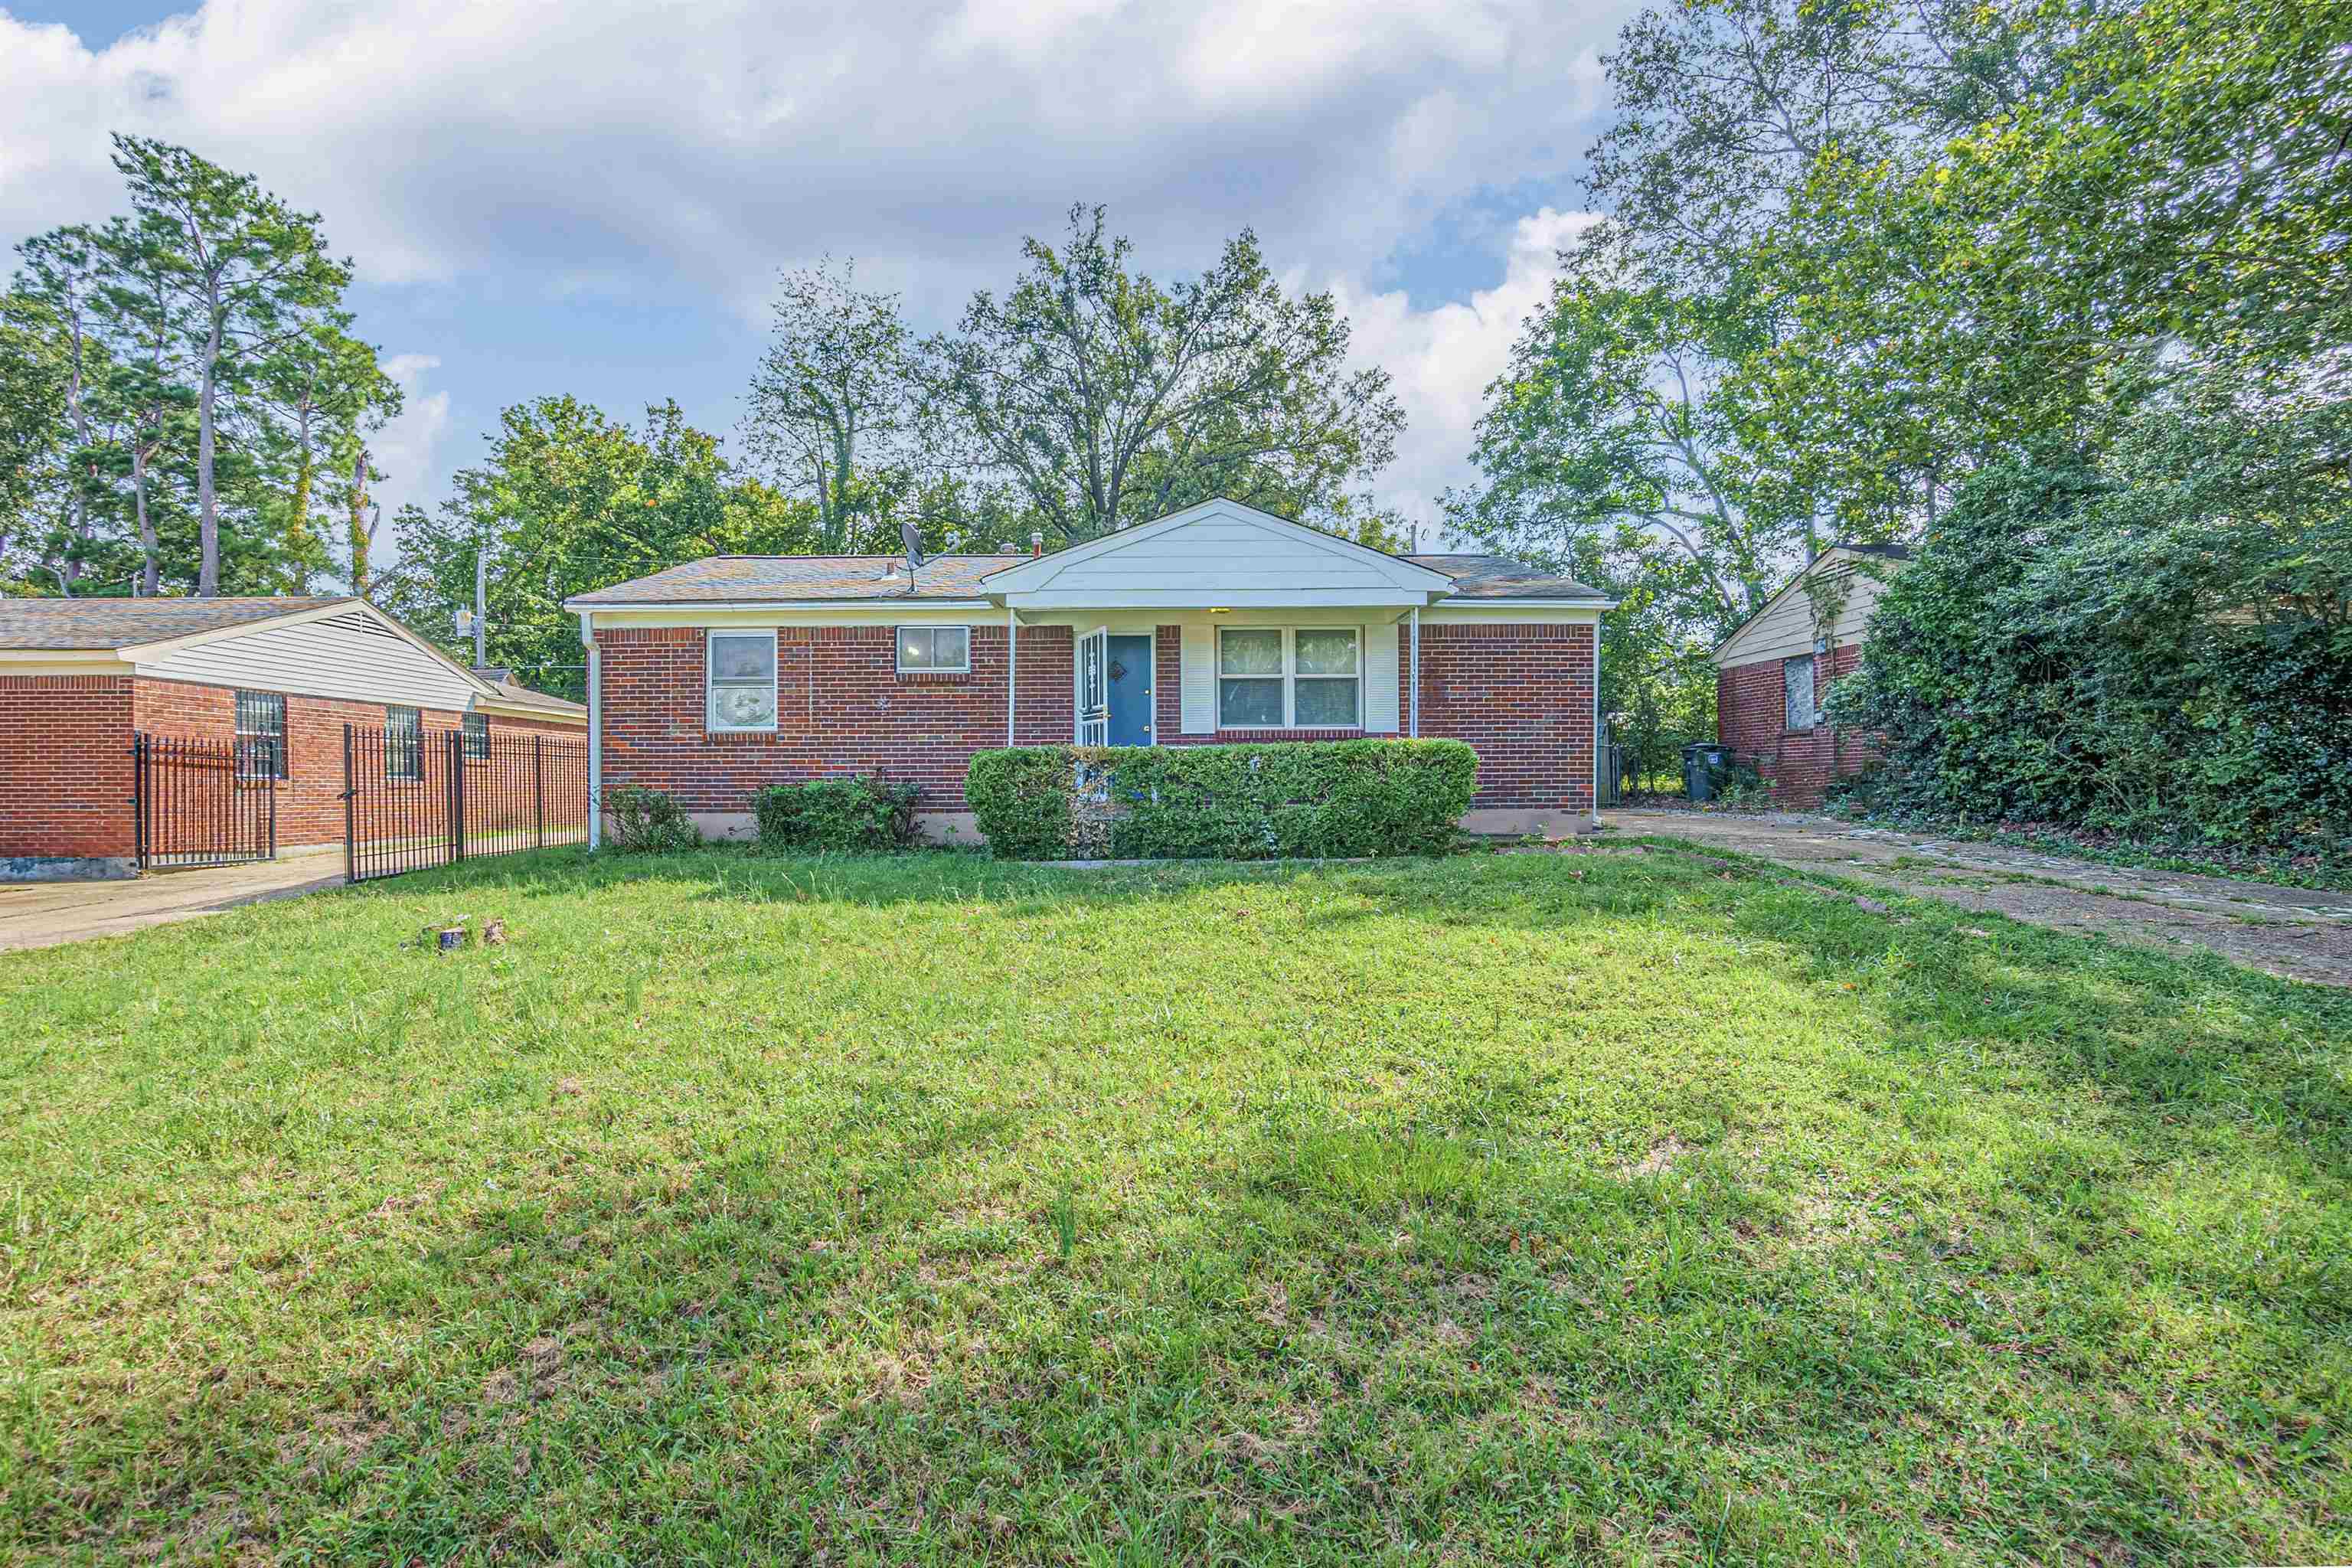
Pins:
<point x="1198" y="687"/>
<point x="1381" y="680"/>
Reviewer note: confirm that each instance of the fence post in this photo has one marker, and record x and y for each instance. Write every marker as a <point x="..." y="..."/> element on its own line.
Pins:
<point x="537" y="791"/>
<point x="453" y="763"/>
<point x="351" y="813"/>
<point x="139" y="801"/>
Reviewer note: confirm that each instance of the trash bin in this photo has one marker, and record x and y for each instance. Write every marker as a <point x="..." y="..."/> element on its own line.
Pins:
<point x="1702" y="761"/>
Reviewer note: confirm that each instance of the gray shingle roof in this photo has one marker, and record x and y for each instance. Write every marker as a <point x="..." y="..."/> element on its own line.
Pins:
<point x="509" y="690"/>
<point x="1500" y="577"/>
<point x="58" y="624"/>
<point x="754" y="579"/>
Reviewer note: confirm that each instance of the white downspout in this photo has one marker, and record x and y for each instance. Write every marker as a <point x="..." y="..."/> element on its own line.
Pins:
<point x="1413" y="702"/>
<point x="595" y="732"/>
<point x="1011" y="674"/>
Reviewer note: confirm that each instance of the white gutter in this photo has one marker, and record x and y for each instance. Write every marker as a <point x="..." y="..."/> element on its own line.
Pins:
<point x="1596" y="724"/>
<point x="879" y="601"/>
<point x="595" y="732"/>
<point x="1012" y="673"/>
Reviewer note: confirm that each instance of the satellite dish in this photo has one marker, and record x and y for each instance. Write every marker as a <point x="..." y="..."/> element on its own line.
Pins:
<point x="912" y="538"/>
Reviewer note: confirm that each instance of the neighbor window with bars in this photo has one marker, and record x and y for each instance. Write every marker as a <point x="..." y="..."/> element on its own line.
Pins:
<point x="404" y="744"/>
<point x="261" y="734"/>
<point x="1307" y="678"/>
<point x="478" y="735"/>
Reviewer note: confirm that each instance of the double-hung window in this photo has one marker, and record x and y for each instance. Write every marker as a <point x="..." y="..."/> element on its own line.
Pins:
<point x="1305" y="677"/>
<point x="742" y="681"/>
<point x="403" y="743"/>
<point x="935" y="650"/>
<point x="478" y="735"/>
<point x="260" y="736"/>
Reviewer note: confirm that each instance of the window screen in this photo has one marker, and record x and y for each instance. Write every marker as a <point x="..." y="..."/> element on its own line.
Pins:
<point x="1798" y="709"/>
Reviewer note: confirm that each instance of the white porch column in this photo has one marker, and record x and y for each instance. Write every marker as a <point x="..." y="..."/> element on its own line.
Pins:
<point x="595" y="732"/>
<point x="1413" y="698"/>
<point x="1596" y="720"/>
<point x="1012" y="675"/>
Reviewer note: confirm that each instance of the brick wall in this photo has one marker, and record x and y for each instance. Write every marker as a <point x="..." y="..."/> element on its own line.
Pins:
<point x="65" y="766"/>
<point x="1519" y="694"/>
<point x="842" y="708"/>
<point x="1751" y="710"/>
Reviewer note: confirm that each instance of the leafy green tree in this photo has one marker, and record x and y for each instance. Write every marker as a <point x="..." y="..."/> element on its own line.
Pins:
<point x="1608" y="434"/>
<point x="832" y="407"/>
<point x="568" y="501"/>
<point x="1103" y="398"/>
<point x="254" y="276"/>
<point x="36" y="376"/>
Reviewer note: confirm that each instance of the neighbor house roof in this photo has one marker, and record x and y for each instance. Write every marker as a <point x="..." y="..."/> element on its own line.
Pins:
<point x="512" y="694"/>
<point x="60" y="625"/>
<point x="760" y="579"/>
<point x="1501" y="577"/>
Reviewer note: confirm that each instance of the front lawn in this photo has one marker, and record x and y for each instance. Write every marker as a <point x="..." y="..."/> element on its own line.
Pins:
<point x="1607" y="1206"/>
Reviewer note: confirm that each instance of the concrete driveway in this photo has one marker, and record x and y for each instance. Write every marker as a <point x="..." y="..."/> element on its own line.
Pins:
<point x="43" y="914"/>
<point x="2294" y="931"/>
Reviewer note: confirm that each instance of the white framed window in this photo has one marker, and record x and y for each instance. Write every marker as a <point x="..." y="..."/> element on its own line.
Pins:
<point x="1291" y="677"/>
<point x="934" y="650"/>
<point x="742" y="681"/>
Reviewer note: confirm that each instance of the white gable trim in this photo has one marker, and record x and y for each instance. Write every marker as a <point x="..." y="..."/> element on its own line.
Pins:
<point x="1734" y="649"/>
<point x="1038" y="583"/>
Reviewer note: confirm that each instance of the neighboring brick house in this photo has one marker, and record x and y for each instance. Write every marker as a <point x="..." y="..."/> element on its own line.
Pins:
<point x="79" y="677"/>
<point x="1219" y="623"/>
<point x="1773" y="675"/>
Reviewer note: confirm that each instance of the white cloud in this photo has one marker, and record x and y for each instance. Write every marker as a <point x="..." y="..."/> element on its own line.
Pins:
<point x="404" y="448"/>
<point x="649" y="148"/>
<point x="1441" y="359"/>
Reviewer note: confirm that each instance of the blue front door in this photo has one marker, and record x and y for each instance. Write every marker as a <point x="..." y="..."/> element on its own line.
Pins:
<point x="1131" y="691"/>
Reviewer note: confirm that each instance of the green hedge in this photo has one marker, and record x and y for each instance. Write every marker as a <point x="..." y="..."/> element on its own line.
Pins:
<point x="1316" y="799"/>
<point x="849" y="814"/>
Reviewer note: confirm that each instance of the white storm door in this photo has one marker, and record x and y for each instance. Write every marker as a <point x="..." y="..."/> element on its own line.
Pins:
<point x="1094" y="687"/>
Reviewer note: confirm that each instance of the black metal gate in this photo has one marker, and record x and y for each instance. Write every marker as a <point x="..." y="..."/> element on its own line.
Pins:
<point x="202" y="803"/>
<point x="413" y="798"/>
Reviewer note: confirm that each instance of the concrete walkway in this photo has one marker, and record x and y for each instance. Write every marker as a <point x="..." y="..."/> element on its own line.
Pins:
<point x="43" y="914"/>
<point x="2294" y="931"/>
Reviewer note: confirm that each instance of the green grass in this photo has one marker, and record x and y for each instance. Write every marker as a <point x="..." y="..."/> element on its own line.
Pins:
<point x="1532" y="1208"/>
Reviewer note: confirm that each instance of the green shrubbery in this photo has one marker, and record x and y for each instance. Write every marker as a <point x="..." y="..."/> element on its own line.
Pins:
<point x="1313" y="799"/>
<point x="647" y="819"/>
<point x="859" y="815"/>
<point x="2160" y="647"/>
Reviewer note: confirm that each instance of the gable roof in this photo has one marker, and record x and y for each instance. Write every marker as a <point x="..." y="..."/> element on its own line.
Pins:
<point x="72" y="624"/>
<point x="771" y="579"/>
<point x="1831" y="559"/>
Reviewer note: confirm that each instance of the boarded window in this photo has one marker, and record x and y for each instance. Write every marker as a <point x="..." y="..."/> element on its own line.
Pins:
<point x="1797" y="674"/>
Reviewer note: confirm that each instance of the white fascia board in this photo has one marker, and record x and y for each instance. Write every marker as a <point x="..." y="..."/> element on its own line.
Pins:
<point x="65" y="661"/>
<point x="513" y="710"/>
<point x="1194" y="599"/>
<point x="707" y="607"/>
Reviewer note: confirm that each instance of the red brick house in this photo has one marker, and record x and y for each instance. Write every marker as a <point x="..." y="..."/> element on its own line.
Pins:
<point x="1773" y="675"/>
<point x="79" y="677"/>
<point x="1219" y="623"/>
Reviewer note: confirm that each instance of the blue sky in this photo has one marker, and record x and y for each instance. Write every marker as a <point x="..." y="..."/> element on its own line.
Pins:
<point x="591" y="196"/>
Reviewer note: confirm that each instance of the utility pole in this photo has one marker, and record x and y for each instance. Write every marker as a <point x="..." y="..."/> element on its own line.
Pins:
<point x="482" y="602"/>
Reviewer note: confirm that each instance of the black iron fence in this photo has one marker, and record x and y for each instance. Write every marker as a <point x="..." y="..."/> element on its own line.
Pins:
<point x="413" y="798"/>
<point x="202" y="803"/>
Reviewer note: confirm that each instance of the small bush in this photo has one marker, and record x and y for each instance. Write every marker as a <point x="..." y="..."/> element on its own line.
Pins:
<point x="647" y="819"/>
<point x="1313" y="799"/>
<point x="860" y="814"/>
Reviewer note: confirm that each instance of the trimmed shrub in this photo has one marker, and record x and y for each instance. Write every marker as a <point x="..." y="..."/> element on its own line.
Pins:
<point x="865" y="813"/>
<point x="1317" y="799"/>
<point x="647" y="819"/>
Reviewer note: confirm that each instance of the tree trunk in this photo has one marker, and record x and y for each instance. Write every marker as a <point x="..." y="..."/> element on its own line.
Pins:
<point x="360" y="535"/>
<point x="207" y="503"/>
<point x="150" y="572"/>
